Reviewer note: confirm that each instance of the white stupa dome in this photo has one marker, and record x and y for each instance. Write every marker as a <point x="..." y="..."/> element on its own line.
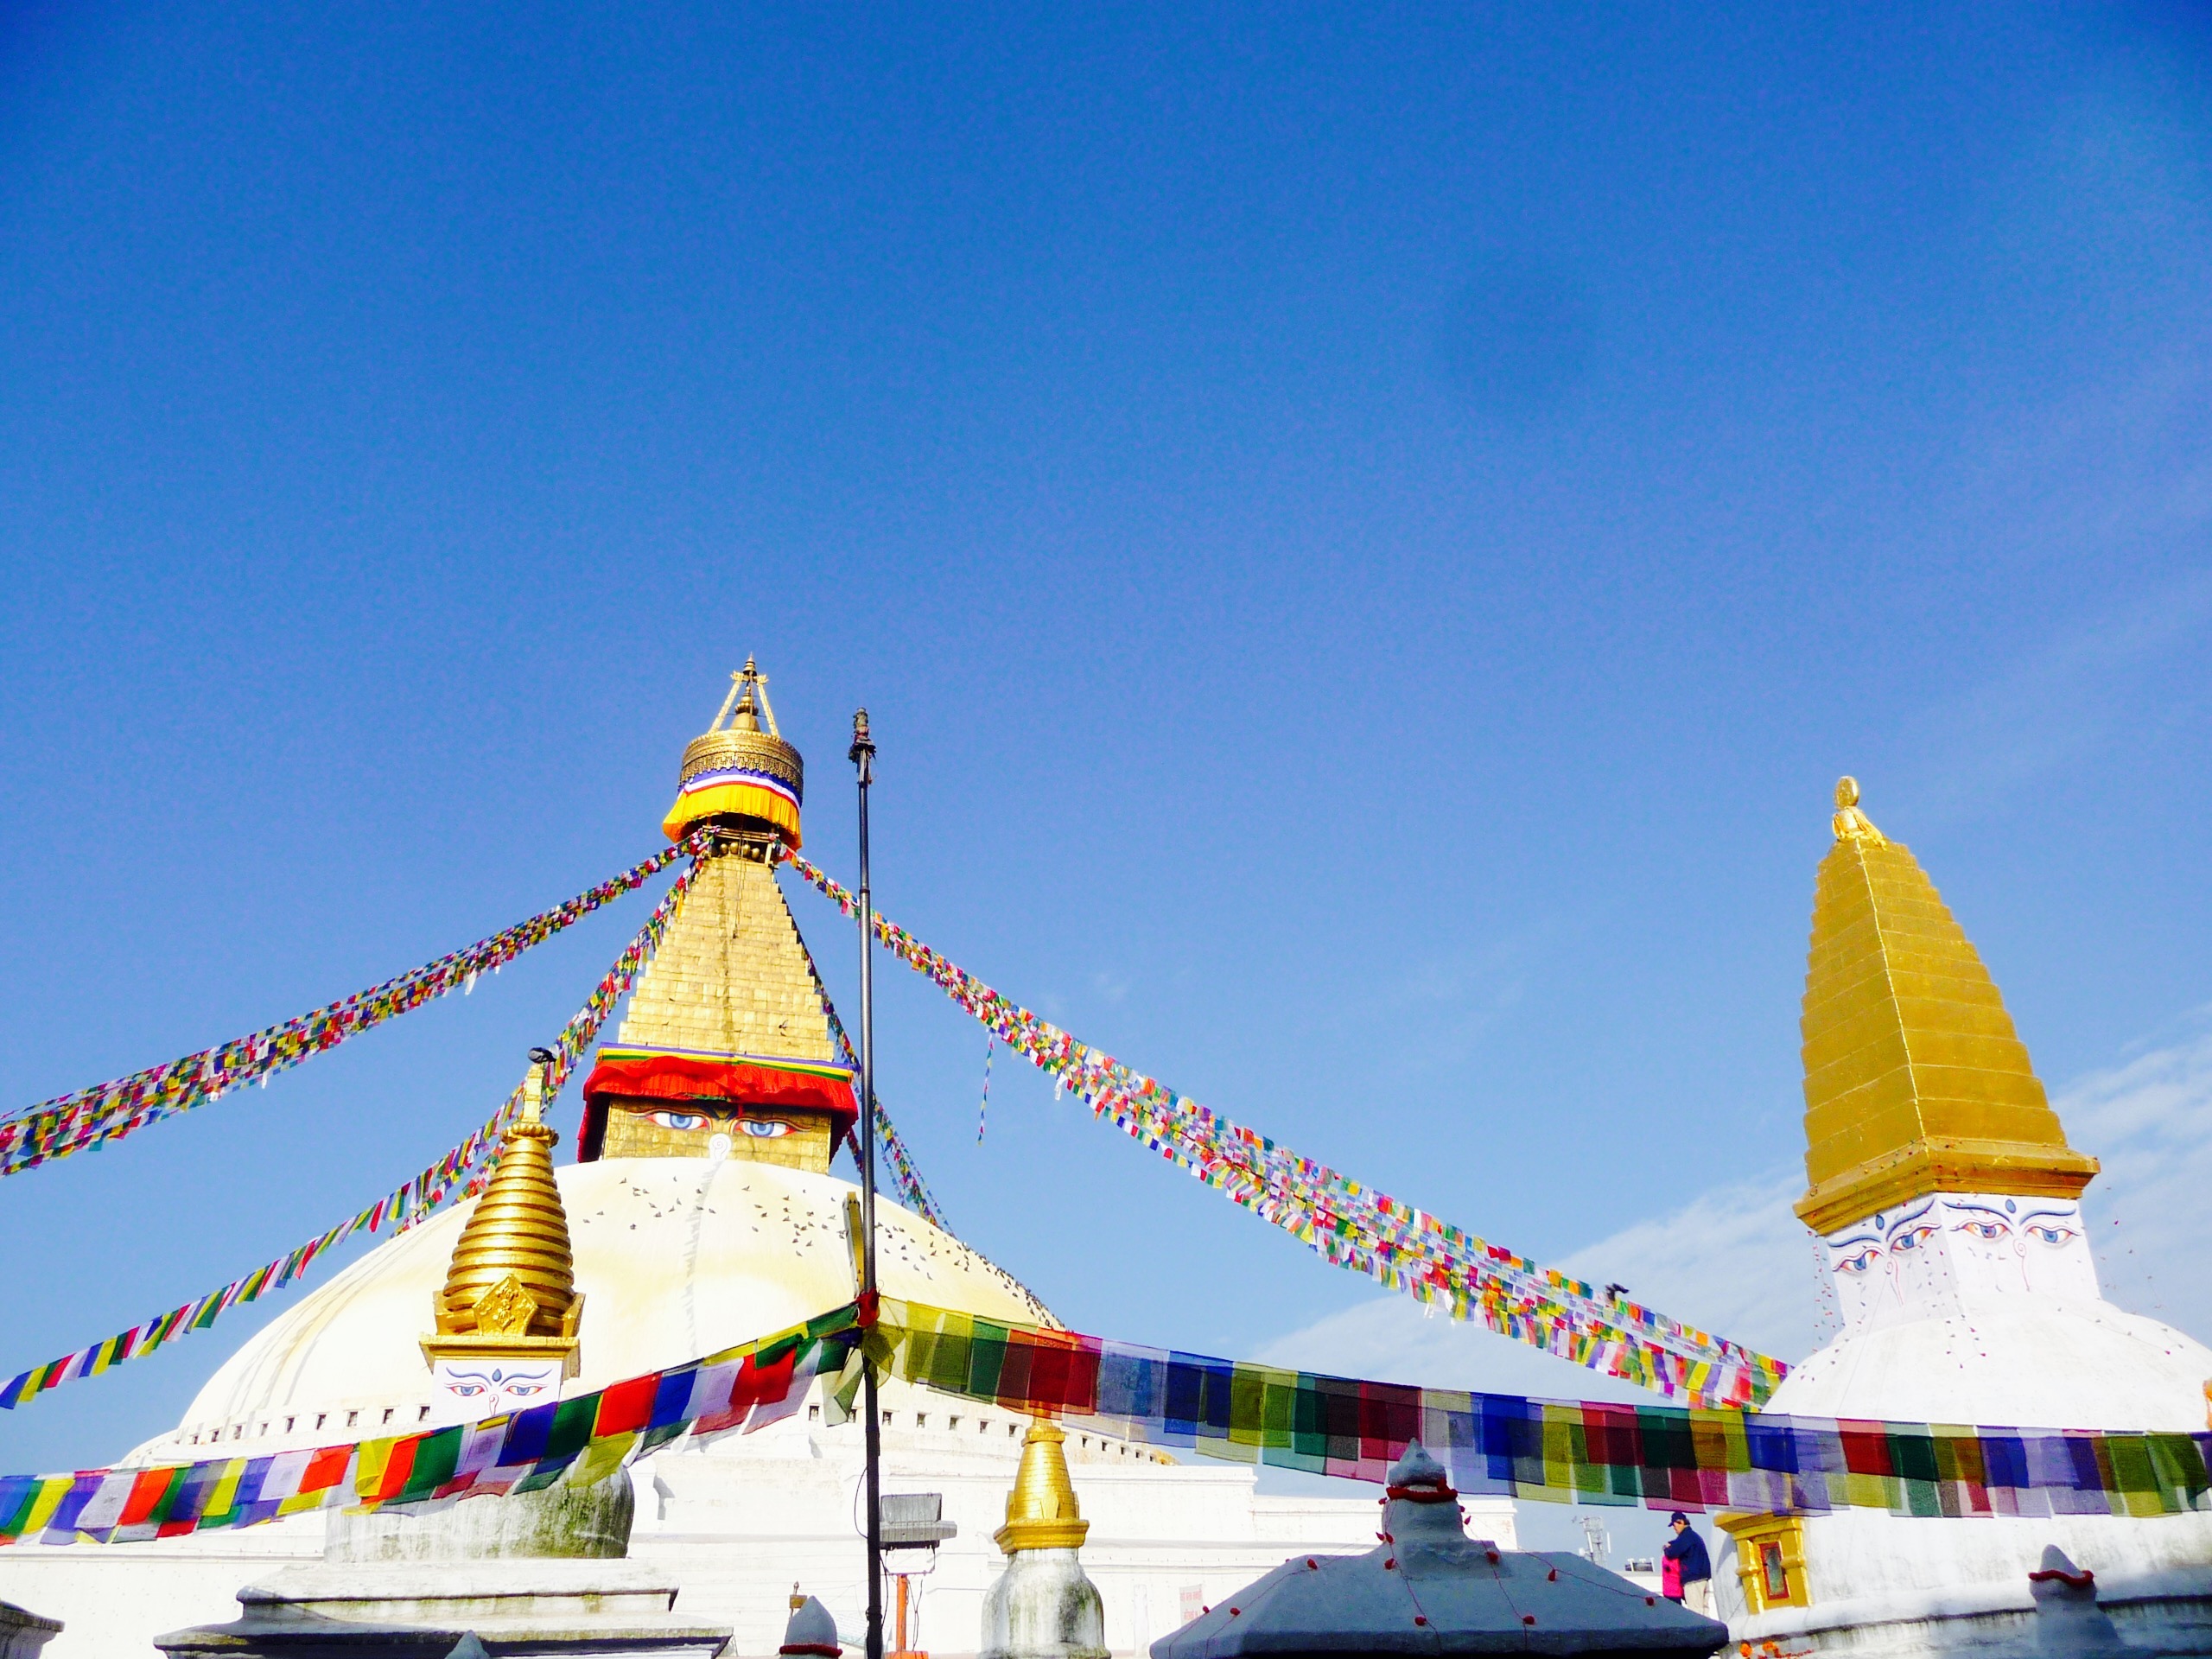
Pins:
<point x="677" y="1258"/>
<point x="2031" y="1366"/>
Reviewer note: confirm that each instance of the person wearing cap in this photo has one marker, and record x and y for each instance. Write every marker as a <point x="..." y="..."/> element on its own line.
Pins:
<point x="1687" y="1572"/>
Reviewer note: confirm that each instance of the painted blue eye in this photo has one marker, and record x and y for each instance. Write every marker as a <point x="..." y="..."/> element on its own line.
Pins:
<point x="680" y="1120"/>
<point x="768" y="1129"/>
<point x="1859" y="1263"/>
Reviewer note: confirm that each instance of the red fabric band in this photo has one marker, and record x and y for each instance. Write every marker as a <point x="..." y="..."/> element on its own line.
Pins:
<point x="679" y="1077"/>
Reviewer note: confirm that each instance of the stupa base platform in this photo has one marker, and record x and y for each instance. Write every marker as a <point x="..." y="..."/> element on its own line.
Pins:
<point x="2160" y="1613"/>
<point x="1993" y="1586"/>
<point x="2173" y="1624"/>
<point x="421" y="1610"/>
<point x="23" y="1634"/>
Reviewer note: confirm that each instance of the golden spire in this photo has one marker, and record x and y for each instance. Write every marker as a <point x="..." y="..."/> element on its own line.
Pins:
<point x="1915" y="1080"/>
<point x="512" y="1286"/>
<point x="1040" y="1511"/>
<point x="737" y="776"/>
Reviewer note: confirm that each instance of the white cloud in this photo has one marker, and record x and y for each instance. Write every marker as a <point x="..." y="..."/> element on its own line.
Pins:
<point x="1736" y="1259"/>
<point x="2150" y="1121"/>
<point x="1394" y="1339"/>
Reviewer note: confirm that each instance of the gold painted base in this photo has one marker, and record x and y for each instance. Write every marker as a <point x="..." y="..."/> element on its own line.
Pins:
<point x="1040" y="1535"/>
<point x="1945" y="1164"/>
<point x="567" y="1350"/>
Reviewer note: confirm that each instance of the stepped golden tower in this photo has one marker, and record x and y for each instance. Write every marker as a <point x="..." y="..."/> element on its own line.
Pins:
<point x="1915" y="1080"/>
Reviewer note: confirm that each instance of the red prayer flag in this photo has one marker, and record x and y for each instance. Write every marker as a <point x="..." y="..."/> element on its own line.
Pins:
<point x="626" y="1406"/>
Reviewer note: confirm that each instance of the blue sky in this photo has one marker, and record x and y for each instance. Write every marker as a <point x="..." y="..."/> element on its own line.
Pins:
<point x="1367" y="536"/>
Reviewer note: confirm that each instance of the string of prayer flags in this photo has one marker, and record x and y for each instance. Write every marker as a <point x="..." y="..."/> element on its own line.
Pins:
<point x="464" y="1169"/>
<point x="109" y="1111"/>
<point x="1554" y="1450"/>
<point x="904" y="1173"/>
<point x="1557" y="1451"/>
<point x="1347" y="1222"/>
<point x="581" y="1439"/>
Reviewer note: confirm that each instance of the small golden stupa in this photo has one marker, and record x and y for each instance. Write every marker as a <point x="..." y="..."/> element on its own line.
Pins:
<point x="1915" y="1080"/>
<point x="1040" y="1511"/>
<point x="512" y="1291"/>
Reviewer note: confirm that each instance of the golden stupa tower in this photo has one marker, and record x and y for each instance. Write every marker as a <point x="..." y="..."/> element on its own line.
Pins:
<point x="1044" y="1606"/>
<point x="1041" y="1512"/>
<point x="1915" y="1080"/>
<point x="508" y="1316"/>
<point x="1950" y="1208"/>
<point x="727" y="1048"/>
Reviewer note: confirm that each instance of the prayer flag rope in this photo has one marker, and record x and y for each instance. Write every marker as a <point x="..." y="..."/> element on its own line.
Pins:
<point x="1345" y="1221"/>
<point x="1661" y="1457"/>
<point x="109" y="1111"/>
<point x="904" y="1173"/>
<point x="415" y="1201"/>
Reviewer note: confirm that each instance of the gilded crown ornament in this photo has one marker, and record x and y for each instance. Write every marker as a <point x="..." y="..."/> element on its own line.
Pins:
<point x="1851" y="823"/>
<point x="738" y="775"/>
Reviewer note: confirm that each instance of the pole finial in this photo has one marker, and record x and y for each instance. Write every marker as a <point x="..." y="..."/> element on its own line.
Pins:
<point x="863" y="749"/>
<point x="533" y="1085"/>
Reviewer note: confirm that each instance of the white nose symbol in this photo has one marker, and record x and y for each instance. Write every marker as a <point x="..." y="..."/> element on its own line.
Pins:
<point x="718" y="1148"/>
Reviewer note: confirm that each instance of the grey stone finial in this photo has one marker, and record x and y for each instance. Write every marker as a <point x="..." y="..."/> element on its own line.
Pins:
<point x="812" y="1630"/>
<point x="2069" y="1624"/>
<point x="1416" y="1468"/>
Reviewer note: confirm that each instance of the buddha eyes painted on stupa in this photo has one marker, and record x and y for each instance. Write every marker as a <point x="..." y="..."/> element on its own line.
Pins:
<point x="1914" y="1238"/>
<point x="713" y="1129"/>
<point x="1963" y="1245"/>
<point x="759" y="1129"/>
<point x="477" y="1391"/>
<point x="2052" y="1229"/>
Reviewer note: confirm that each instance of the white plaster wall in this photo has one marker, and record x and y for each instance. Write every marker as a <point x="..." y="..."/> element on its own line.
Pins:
<point x="114" y="1600"/>
<point x="740" y="1520"/>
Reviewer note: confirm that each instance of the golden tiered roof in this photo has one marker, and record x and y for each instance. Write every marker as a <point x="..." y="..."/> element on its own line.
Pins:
<point x="1915" y="1080"/>
<point x="512" y="1284"/>
<point x="731" y="977"/>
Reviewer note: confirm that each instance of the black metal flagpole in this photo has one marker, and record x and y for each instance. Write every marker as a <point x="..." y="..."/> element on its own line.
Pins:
<point x="862" y="755"/>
